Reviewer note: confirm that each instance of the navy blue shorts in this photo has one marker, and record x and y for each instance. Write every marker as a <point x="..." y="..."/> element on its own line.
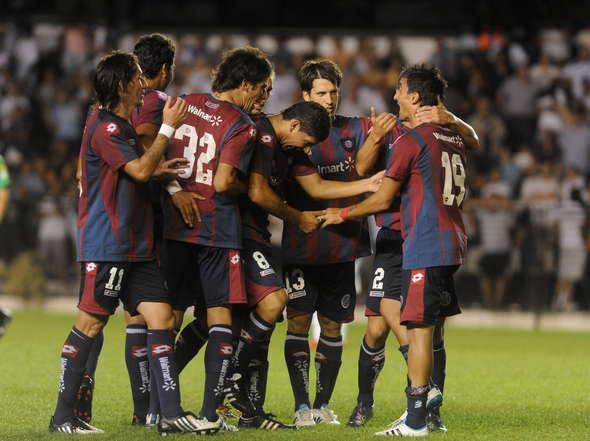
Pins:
<point x="327" y="289"/>
<point x="202" y="276"/>
<point x="387" y="270"/>
<point x="261" y="277"/>
<point x="428" y="294"/>
<point x="104" y="284"/>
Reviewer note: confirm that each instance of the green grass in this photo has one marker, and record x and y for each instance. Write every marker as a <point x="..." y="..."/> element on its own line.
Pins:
<point x="501" y="385"/>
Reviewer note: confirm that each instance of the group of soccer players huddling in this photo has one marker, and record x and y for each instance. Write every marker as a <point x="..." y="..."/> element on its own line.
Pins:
<point x="175" y="195"/>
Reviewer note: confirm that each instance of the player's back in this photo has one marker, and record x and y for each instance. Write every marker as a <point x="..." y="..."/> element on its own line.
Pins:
<point x="213" y="132"/>
<point x="433" y="197"/>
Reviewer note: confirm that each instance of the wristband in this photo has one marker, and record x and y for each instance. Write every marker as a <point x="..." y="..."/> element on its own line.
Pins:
<point x="173" y="187"/>
<point x="166" y="130"/>
<point x="344" y="213"/>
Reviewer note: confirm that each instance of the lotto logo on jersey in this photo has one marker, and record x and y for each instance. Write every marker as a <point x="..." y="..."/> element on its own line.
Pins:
<point x="418" y="277"/>
<point x="161" y="349"/>
<point x="112" y="128"/>
<point x="266" y="139"/>
<point x="225" y="349"/>
<point x="252" y="132"/>
<point x="69" y="351"/>
<point x="234" y="257"/>
<point x="91" y="268"/>
<point x="139" y="351"/>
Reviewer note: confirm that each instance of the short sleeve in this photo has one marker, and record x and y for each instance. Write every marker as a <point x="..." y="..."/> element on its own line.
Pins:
<point x="262" y="158"/>
<point x="4" y="176"/>
<point x="109" y="143"/>
<point x="302" y="165"/>
<point x="404" y="157"/>
<point x="151" y="110"/>
<point x="365" y="128"/>
<point x="238" y="147"/>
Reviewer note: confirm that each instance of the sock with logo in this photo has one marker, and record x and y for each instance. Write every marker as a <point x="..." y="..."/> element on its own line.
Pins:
<point x="160" y="344"/>
<point x="297" y="359"/>
<point x="416" y="397"/>
<point x="138" y="368"/>
<point x="371" y="361"/>
<point x="439" y="365"/>
<point x="74" y="356"/>
<point x="257" y="374"/>
<point x="254" y="334"/>
<point x="190" y="341"/>
<point x="328" y="358"/>
<point x="217" y="365"/>
<point x="95" y="350"/>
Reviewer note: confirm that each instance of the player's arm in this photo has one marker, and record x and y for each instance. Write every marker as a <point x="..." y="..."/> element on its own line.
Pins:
<point x="227" y="180"/>
<point x="261" y="193"/>
<point x="369" y="151"/>
<point x="440" y="115"/>
<point x="142" y="168"/>
<point x="319" y="188"/>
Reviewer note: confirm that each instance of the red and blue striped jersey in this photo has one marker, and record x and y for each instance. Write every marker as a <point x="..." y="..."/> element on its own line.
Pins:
<point x="278" y="166"/>
<point x="115" y="221"/>
<point x="390" y="218"/>
<point x="213" y="132"/>
<point x="334" y="159"/>
<point x="150" y="112"/>
<point x="431" y="160"/>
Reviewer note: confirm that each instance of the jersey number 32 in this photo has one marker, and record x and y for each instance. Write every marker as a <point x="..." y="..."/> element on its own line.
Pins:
<point x="206" y="145"/>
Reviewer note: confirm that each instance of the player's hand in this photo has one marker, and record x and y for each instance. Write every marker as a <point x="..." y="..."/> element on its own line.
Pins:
<point x="171" y="168"/>
<point x="374" y="182"/>
<point x="331" y="217"/>
<point x="186" y="203"/>
<point x="381" y="125"/>
<point x="309" y="221"/>
<point x="174" y="114"/>
<point x="435" y="114"/>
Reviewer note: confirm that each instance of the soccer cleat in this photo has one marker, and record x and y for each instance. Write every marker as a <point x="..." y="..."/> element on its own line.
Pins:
<point x="227" y="427"/>
<point x="435" y="398"/>
<point x="74" y="427"/>
<point x="150" y="420"/>
<point x="237" y="396"/>
<point x="325" y="415"/>
<point x="434" y="421"/>
<point x="5" y="319"/>
<point x="264" y="421"/>
<point x="188" y="422"/>
<point x="304" y="418"/>
<point x="83" y="403"/>
<point x="360" y="415"/>
<point x="400" y="428"/>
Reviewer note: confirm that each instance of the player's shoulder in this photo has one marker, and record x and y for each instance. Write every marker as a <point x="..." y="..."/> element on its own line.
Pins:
<point x="342" y="121"/>
<point x="216" y="112"/>
<point x="107" y="125"/>
<point x="441" y="133"/>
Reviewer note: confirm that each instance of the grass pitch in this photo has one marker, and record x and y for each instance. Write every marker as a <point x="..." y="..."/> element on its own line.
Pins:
<point x="501" y="385"/>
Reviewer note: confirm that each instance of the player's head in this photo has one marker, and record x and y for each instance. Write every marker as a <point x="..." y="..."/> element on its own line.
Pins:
<point x="259" y="105"/>
<point x="245" y="70"/>
<point x="155" y="54"/>
<point x="307" y="123"/>
<point x="320" y="82"/>
<point x="118" y="79"/>
<point x="419" y="85"/>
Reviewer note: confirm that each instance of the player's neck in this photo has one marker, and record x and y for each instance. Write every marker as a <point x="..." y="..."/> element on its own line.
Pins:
<point x="411" y="121"/>
<point x="275" y="122"/>
<point x="154" y="84"/>
<point x="124" y="111"/>
<point x="231" y="96"/>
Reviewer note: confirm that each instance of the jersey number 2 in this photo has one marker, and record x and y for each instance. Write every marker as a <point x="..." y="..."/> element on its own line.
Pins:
<point x="207" y="142"/>
<point x="454" y="174"/>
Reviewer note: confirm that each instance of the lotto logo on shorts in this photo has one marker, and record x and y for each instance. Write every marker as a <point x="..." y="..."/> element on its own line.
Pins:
<point x="139" y="351"/>
<point x="91" y="268"/>
<point x="234" y="257"/>
<point x="226" y="349"/>
<point x="70" y="351"/>
<point x="161" y="349"/>
<point x="418" y="277"/>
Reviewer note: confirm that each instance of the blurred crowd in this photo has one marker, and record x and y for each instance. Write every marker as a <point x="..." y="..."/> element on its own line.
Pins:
<point x="526" y="95"/>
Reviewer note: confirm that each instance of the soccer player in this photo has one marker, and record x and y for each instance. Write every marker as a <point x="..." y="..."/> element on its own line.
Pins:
<point x="203" y="264"/>
<point x="319" y="267"/>
<point x="383" y="299"/>
<point x="4" y="196"/>
<point x="115" y="242"/>
<point x="429" y="163"/>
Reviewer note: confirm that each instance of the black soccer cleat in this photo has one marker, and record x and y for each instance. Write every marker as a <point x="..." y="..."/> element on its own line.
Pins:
<point x="264" y="421"/>
<point x="237" y="396"/>
<point x="188" y="422"/>
<point x="75" y="426"/>
<point x="360" y="415"/>
<point x="434" y="421"/>
<point x="83" y="403"/>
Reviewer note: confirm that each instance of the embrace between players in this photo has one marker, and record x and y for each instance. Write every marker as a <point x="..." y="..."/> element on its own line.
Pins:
<point x="175" y="195"/>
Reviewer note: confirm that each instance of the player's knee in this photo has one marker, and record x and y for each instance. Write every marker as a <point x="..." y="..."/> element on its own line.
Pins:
<point x="134" y="320"/>
<point x="377" y="332"/>
<point x="272" y="306"/>
<point x="329" y="328"/>
<point x="299" y="324"/>
<point x="90" y="324"/>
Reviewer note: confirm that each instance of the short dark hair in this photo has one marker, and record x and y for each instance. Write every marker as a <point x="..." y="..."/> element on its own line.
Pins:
<point x="427" y="81"/>
<point x="113" y="70"/>
<point x="153" y="51"/>
<point x="320" y="68"/>
<point x="315" y="120"/>
<point x="247" y="63"/>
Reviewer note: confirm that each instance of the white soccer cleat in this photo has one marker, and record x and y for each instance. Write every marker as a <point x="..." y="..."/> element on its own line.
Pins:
<point x="75" y="426"/>
<point x="325" y="415"/>
<point x="188" y="422"/>
<point x="402" y="429"/>
<point x="304" y="418"/>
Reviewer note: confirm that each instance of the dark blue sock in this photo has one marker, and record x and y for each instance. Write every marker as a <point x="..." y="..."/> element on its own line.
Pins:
<point x="371" y="361"/>
<point x="138" y="368"/>
<point x="439" y="365"/>
<point x="190" y="341"/>
<point x="297" y="360"/>
<point x="95" y="350"/>
<point x="416" y="397"/>
<point x="254" y="334"/>
<point x="160" y="344"/>
<point x="328" y="358"/>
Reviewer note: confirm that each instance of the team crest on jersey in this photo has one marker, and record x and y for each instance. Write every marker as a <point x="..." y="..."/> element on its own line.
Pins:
<point x="347" y="143"/>
<point x="445" y="298"/>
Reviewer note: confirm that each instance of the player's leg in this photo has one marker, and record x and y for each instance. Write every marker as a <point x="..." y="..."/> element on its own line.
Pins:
<point x="83" y="404"/>
<point x="191" y="339"/>
<point x="302" y="292"/>
<point x="419" y="369"/>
